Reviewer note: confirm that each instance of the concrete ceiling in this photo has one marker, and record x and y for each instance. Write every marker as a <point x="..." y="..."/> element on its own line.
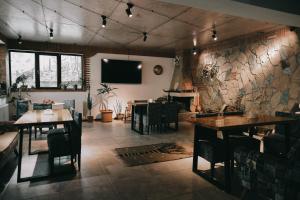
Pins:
<point x="170" y="27"/>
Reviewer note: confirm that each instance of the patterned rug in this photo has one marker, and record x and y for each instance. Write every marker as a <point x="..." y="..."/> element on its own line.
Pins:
<point x="146" y="154"/>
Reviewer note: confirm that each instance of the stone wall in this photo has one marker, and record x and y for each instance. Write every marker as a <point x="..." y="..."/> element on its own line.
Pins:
<point x="258" y="74"/>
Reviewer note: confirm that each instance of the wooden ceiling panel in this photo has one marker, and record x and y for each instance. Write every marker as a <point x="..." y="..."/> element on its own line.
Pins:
<point x="102" y="7"/>
<point x="120" y="35"/>
<point x="203" y="19"/>
<point x="175" y="30"/>
<point x="170" y="27"/>
<point x="152" y="41"/>
<point x="166" y="9"/>
<point x="73" y="13"/>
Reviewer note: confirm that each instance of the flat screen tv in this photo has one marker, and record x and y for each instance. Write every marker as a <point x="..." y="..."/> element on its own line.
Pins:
<point x="121" y="71"/>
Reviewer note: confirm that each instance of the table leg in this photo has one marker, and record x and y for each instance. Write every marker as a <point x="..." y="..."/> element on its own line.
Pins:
<point x="20" y="154"/>
<point x="29" y="144"/>
<point x="227" y="163"/>
<point x="132" y="118"/>
<point x="141" y="124"/>
<point x="195" y="152"/>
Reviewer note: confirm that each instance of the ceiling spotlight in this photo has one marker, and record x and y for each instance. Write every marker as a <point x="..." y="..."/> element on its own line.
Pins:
<point x="145" y="36"/>
<point x="128" y="10"/>
<point x="194" y="51"/>
<point x="103" y="21"/>
<point x="51" y="34"/>
<point x="19" y="39"/>
<point x="214" y="35"/>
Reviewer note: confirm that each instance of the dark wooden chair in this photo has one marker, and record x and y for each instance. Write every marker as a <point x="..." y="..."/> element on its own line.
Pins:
<point x="41" y="106"/>
<point x="22" y="107"/>
<point x="66" y="144"/>
<point x="69" y="104"/>
<point x="170" y="114"/>
<point x="153" y="117"/>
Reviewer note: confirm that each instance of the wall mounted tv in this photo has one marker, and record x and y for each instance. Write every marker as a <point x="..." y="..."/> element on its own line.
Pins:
<point x="121" y="71"/>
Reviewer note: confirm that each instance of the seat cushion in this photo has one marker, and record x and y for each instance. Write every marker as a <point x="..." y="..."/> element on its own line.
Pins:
<point x="6" y="139"/>
<point x="8" y="142"/>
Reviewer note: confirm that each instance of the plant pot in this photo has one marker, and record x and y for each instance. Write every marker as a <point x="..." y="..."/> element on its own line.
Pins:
<point x="106" y="115"/>
<point x="90" y="118"/>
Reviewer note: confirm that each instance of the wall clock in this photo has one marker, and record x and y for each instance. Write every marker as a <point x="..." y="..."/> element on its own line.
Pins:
<point x="158" y="69"/>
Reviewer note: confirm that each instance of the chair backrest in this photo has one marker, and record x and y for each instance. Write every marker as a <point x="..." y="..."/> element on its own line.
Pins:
<point x="294" y="128"/>
<point x="22" y="107"/>
<point x="41" y="106"/>
<point x="154" y="112"/>
<point x="170" y="111"/>
<point x="76" y="132"/>
<point x="140" y="101"/>
<point x="69" y="104"/>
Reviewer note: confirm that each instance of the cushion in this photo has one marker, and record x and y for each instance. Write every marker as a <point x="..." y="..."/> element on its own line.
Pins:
<point x="8" y="142"/>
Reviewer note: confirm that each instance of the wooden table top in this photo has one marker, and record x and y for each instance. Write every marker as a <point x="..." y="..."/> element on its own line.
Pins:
<point x="239" y="121"/>
<point x="37" y="117"/>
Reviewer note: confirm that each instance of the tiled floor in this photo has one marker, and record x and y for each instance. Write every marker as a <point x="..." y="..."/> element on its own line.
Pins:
<point x="104" y="176"/>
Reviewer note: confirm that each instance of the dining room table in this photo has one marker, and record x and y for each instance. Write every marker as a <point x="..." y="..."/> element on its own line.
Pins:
<point x="35" y="118"/>
<point x="226" y="125"/>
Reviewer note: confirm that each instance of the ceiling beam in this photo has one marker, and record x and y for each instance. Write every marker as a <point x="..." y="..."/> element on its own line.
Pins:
<point x="245" y="10"/>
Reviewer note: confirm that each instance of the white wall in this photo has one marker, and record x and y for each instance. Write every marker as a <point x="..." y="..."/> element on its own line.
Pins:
<point x="151" y="87"/>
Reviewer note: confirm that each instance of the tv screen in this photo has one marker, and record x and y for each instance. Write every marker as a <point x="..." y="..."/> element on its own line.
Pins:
<point x="121" y="71"/>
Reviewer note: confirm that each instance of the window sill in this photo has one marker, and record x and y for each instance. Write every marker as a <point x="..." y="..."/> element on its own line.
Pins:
<point x="55" y="90"/>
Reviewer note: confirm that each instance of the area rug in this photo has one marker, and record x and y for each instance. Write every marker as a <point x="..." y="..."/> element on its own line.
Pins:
<point x="146" y="154"/>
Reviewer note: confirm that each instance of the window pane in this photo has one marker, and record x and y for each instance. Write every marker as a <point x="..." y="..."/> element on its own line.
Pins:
<point x="23" y="63"/>
<point x="71" y="71"/>
<point x="48" y="71"/>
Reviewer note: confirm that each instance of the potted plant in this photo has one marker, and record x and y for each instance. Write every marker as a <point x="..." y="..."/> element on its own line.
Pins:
<point x="75" y="86"/>
<point x="89" y="101"/>
<point x="65" y="85"/>
<point x="105" y="92"/>
<point x="118" y="110"/>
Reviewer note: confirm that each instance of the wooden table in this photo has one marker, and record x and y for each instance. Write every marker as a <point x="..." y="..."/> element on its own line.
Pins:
<point x="34" y="118"/>
<point x="226" y="124"/>
<point x="141" y="109"/>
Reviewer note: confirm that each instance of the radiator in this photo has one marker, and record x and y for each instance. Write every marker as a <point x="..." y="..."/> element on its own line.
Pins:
<point x="4" y="113"/>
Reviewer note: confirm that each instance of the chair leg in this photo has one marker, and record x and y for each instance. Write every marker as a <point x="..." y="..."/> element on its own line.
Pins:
<point x="176" y="126"/>
<point x="72" y="161"/>
<point x="35" y="132"/>
<point x="79" y="161"/>
<point x="51" y="162"/>
<point x="212" y="169"/>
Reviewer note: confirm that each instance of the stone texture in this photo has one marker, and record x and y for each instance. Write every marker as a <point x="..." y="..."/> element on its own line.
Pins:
<point x="256" y="73"/>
